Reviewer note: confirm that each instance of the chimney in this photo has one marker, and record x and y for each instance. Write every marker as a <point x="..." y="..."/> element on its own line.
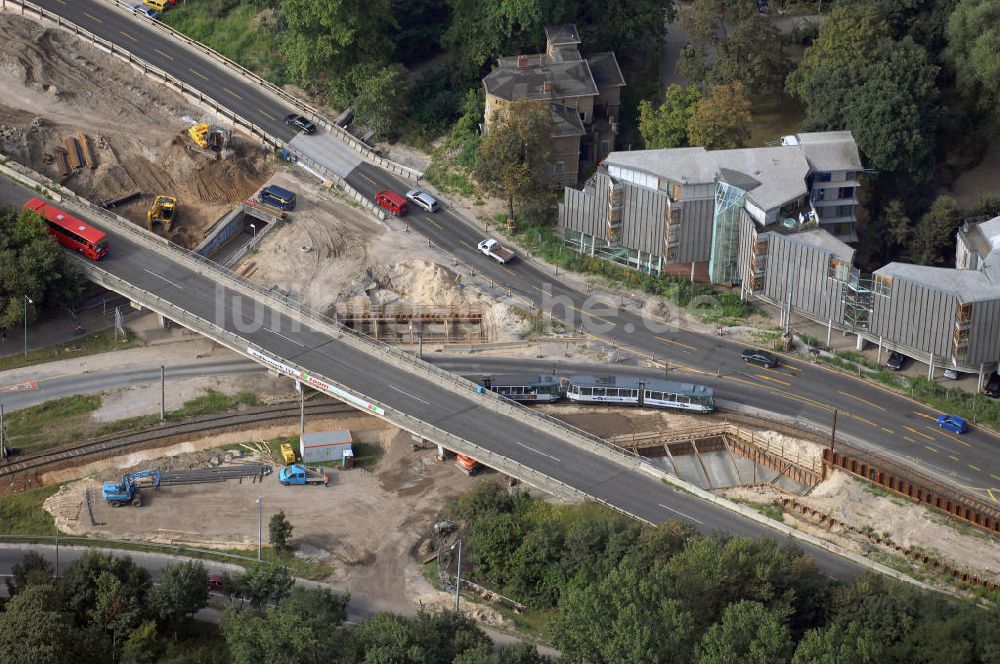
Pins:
<point x="547" y="87"/>
<point x="522" y="62"/>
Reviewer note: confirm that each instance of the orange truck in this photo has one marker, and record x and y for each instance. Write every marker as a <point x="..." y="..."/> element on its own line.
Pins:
<point x="468" y="465"/>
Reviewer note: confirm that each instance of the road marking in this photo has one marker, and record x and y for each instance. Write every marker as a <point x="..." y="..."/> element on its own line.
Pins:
<point x="233" y="93"/>
<point x="783" y="382"/>
<point x="677" y="343"/>
<point x="393" y="387"/>
<point x="995" y="477"/>
<point x="92" y="17"/>
<point x="686" y="516"/>
<point x="129" y="36"/>
<point x="166" y="55"/>
<point x="367" y="178"/>
<point x="61" y="2"/>
<point x="467" y="244"/>
<point x="169" y="281"/>
<point x="909" y="439"/>
<point x="914" y="431"/>
<point x="889" y="431"/>
<point x="440" y="227"/>
<point x="528" y="447"/>
<point x="931" y="448"/>
<point x="268" y="114"/>
<point x="197" y="73"/>
<point x="28" y="386"/>
<point x="975" y="468"/>
<point x="284" y="337"/>
<point x="930" y="417"/>
<point x="865" y="420"/>
<point x="955" y="438"/>
<point x="953" y="457"/>
<point x="873" y="405"/>
<point x="504" y="267"/>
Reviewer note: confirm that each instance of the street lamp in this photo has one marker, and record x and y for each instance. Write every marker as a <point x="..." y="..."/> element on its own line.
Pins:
<point x="27" y="301"/>
<point x="458" y="574"/>
<point x="260" y="525"/>
<point x="253" y="230"/>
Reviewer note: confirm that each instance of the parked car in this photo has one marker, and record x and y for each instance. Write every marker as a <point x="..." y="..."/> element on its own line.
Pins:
<point x="422" y="199"/>
<point x="952" y="423"/>
<point x="950" y="374"/>
<point x="760" y="357"/>
<point x="896" y="361"/>
<point x="992" y="386"/>
<point x="215" y="582"/>
<point x="299" y="122"/>
<point x="140" y="8"/>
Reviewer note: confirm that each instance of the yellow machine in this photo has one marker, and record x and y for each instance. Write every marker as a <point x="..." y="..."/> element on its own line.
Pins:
<point x="209" y="137"/>
<point x="162" y="211"/>
<point x="287" y="453"/>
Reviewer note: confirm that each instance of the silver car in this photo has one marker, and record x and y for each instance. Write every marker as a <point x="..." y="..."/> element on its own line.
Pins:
<point x="422" y="199"/>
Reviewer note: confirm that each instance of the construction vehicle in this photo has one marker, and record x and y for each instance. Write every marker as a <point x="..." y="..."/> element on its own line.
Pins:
<point x="468" y="465"/>
<point x="210" y="139"/>
<point x="288" y="454"/>
<point x="299" y="474"/>
<point x="161" y="212"/>
<point x="127" y="491"/>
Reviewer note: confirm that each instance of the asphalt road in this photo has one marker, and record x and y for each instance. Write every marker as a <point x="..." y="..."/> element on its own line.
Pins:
<point x="902" y="429"/>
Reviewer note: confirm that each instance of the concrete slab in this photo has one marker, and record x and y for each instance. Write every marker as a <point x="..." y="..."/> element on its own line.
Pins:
<point x="689" y="470"/>
<point x="721" y="471"/>
<point x="327" y="151"/>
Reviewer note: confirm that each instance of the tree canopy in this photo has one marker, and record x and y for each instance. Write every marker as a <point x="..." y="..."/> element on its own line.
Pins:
<point x="666" y="126"/>
<point x="721" y="119"/>
<point x="974" y="52"/>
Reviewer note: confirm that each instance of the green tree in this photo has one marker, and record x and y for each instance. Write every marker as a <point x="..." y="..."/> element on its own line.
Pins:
<point x="34" y="629"/>
<point x="749" y="633"/>
<point x="987" y="205"/>
<point x="142" y="644"/>
<point x="116" y="612"/>
<point x="733" y="41"/>
<point x="855" y="644"/>
<point x="324" y="39"/>
<point x="182" y="592"/>
<point x="513" y="157"/>
<point x="279" y="531"/>
<point x="378" y="96"/>
<point x="934" y="234"/>
<point x="86" y="583"/>
<point x="32" y="569"/>
<point x="974" y="52"/>
<point x="722" y="119"/>
<point x="265" y="583"/>
<point x="666" y="126"/>
<point x="385" y="637"/>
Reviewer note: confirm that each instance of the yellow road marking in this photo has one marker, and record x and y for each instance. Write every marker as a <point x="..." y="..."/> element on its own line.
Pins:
<point x="586" y="313"/>
<point x="995" y="477"/>
<point x="677" y="343"/>
<point x="933" y="418"/>
<point x="955" y="438"/>
<point x="863" y="419"/>
<point x="129" y="36"/>
<point x="888" y="431"/>
<point x="775" y="371"/>
<point x="367" y="178"/>
<point x="782" y="382"/>
<point x="92" y="17"/>
<point x="197" y="73"/>
<point x="909" y="439"/>
<point x="233" y="93"/>
<point x="931" y="448"/>
<point x="989" y="492"/>
<point x="440" y="227"/>
<point x="975" y="468"/>
<point x="953" y="457"/>
<point x="873" y="405"/>
<point x="467" y="244"/>
<point x="914" y="431"/>
<point x="504" y="267"/>
<point x="267" y="114"/>
<point x="166" y="55"/>
<point x="538" y="289"/>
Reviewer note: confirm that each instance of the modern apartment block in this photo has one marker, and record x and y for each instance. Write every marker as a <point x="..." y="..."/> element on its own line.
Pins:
<point x="583" y="93"/>
<point x="680" y="210"/>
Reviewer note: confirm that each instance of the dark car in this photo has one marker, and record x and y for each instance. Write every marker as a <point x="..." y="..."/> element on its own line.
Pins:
<point x="215" y="582"/>
<point x="992" y="387"/>
<point x="300" y="122"/>
<point x="761" y="357"/>
<point x="896" y="361"/>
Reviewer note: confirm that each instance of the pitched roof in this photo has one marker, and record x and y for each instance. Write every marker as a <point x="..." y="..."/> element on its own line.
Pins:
<point x="604" y="67"/>
<point x="567" y="79"/>
<point x="966" y="285"/>
<point x="566" y="121"/>
<point x="558" y="35"/>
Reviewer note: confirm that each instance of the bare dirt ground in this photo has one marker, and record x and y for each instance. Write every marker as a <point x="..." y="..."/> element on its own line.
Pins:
<point x="53" y="86"/>
<point x="983" y="179"/>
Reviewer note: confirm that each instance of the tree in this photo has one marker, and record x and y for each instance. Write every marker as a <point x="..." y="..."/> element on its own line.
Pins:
<point x="34" y="630"/>
<point x="935" y="233"/>
<point x="117" y="612"/>
<point x="666" y="126"/>
<point x="86" y="583"/>
<point x="722" y="119"/>
<point x="324" y="39"/>
<point x="182" y="591"/>
<point x="749" y="633"/>
<point x="974" y="52"/>
<point x="265" y="583"/>
<point x="279" y="530"/>
<point x="513" y="156"/>
<point x="987" y="205"/>
<point x="32" y="569"/>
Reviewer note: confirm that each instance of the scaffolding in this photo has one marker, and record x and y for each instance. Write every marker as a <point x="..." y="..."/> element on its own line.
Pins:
<point x="963" y="322"/>
<point x="722" y="266"/>
<point x="858" y="300"/>
<point x="616" y="199"/>
<point x="671" y="230"/>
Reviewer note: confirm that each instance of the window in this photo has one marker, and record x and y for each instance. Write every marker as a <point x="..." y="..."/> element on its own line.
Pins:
<point x="560" y="167"/>
<point x="846" y="192"/>
<point x="822" y="177"/>
<point x="844" y="210"/>
<point x="882" y="285"/>
<point x="820" y="194"/>
<point x="599" y="391"/>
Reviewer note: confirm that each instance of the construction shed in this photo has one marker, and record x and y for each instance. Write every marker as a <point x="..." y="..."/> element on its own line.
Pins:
<point x="326" y="446"/>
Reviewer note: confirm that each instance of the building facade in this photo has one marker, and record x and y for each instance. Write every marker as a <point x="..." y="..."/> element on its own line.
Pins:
<point x="583" y="92"/>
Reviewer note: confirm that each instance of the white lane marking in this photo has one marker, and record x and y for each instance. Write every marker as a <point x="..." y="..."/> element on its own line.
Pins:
<point x="393" y="387"/>
<point x="169" y="281"/>
<point x="284" y="337"/>
<point x="681" y="513"/>
<point x="528" y="447"/>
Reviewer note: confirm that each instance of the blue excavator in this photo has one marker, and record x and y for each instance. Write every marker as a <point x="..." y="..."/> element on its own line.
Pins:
<point x="127" y="491"/>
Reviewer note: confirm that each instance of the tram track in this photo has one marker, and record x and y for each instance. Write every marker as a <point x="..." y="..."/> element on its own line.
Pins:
<point x="113" y="444"/>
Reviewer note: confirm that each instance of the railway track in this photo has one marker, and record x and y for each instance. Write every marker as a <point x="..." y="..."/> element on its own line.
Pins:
<point x="128" y="442"/>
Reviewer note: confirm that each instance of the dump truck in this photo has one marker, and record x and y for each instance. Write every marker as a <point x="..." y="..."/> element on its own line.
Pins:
<point x="127" y="491"/>
<point x="288" y="454"/>
<point x="496" y="251"/>
<point x="468" y="465"/>
<point x="299" y="473"/>
<point x="161" y="212"/>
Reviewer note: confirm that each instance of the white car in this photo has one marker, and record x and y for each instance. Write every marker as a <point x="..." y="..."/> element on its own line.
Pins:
<point x="950" y="374"/>
<point x="422" y="199"/>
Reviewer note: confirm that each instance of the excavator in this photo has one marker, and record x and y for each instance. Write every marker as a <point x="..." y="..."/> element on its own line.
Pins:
<point x="127" y="491"/>
<point x="210" y="139"/>
<point x="162" y="211"/>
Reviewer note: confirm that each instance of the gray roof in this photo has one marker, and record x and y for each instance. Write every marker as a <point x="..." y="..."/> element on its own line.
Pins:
<point x="988" y="235"/>
<point x="967" y="285"/>
<point x="566" y="121"/>
<point x="779" y="171"/>
<point x="568" y="79"/>
<point x="827" y="151"/>
<point x="604" y="67"/>
<point x="822" y="239"/>
<point x="562" y="34"/>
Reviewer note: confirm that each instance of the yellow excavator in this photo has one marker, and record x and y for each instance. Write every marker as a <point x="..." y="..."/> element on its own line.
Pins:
<point x="211" y="140"/>
<point x="162" y="211"/>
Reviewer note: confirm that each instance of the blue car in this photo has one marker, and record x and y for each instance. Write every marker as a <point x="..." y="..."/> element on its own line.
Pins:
<point x="952" y="423"/>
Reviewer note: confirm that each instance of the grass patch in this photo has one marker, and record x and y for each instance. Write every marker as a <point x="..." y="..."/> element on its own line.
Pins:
<point x="232" y="29"/>
<point x="55" y="420"/>
<point x="449" y="179"/>
<point x="770" y="510"/>
<point x="303" y="569"/>
<point x="99" y="342"/>
<point x="212" y="402"/>
<point x="22" y="513"/>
